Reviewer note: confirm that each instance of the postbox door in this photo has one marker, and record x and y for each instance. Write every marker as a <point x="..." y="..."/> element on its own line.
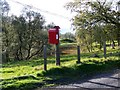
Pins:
<point x="53" y="37"/>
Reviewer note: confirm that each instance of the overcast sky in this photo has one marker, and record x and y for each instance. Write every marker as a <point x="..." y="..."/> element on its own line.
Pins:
<point x="54" y="6"/>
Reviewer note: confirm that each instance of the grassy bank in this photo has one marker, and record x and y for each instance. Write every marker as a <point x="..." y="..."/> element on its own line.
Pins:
<point x="26" y="75"/>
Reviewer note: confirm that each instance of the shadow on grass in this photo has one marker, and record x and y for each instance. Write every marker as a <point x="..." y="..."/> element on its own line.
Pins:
<point x="64" y="58"/>
<point x="7" y="71"/>
<point x="31" y="63"/>
<point x="115" y="53"/>
<point x="25" y="86"/>
<point x="67" y="74"/>
<point x="37" y="62"/>
<point x="64" y="75"/>
<point x="13" y="83"/>
<point x="21" y="78"/>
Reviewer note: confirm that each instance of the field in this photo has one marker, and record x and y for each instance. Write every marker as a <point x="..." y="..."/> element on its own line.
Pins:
<point x="26" y="75"/>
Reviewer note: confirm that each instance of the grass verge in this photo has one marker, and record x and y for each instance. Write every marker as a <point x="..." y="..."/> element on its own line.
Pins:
<point x="28" y="75"/>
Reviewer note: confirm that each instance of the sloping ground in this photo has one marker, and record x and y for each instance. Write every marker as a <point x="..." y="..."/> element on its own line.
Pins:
<point x="66" y="49"/>
<point x="71" y="51"/>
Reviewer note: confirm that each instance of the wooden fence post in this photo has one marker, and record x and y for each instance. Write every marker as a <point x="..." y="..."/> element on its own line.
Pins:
<point x="57" y="55"/>
<point x="78" y="54"/>
<point x="45" y="57"/>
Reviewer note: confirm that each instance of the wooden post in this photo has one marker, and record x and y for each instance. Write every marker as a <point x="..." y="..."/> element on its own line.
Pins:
<point x="45" y="57"/>
<point x="104" y="46"/>
<point x="78" y="54"/>
<point x="57" y="55"/>
<point x="1" y="38"/>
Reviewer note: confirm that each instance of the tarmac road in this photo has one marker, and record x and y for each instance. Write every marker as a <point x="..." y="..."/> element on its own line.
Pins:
<point x="105" y="80"/>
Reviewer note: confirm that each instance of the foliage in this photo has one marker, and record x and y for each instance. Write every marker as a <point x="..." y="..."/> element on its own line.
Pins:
<point x="23" y="36"/>
<point x="67" y="41"/>
<point x="30" y="35"/>
<point x="95" y="21"/>
<point x="5" y="7"/>
<point x="51" y="25"/>
<point x="67" y="35"/>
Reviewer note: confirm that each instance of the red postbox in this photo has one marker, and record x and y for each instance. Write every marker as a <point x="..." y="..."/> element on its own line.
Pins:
<point x="54" y="35"/>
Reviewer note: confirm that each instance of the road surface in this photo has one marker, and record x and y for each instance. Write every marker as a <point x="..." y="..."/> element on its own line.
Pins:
<point x="105" y="80"/>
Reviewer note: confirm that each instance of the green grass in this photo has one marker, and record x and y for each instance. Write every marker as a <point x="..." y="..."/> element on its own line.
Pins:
<point x="25" y="75"/>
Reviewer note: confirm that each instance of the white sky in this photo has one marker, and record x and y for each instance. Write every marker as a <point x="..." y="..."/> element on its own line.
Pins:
<point x="55" y="6"/>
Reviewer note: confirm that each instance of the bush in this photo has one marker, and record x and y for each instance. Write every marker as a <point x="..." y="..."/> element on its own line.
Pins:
<point x="67" y="41"/>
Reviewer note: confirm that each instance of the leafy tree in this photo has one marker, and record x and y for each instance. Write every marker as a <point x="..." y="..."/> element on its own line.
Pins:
<point x="84" y="39"/>
<point x="23" y="36"/>
<point x="5" y="7"/>
<point x="92" y="15"/>
<point x="30" y="35"/>
<point x="51" y="25"/>
<point x="68" y="35"/>
<point x="5" y="30"/>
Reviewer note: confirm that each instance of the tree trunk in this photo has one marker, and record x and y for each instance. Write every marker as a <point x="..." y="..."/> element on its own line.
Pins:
<point x="28" y="53"/>
<point x="21" y="56"/>
<point x="20" y="48"/>
<point x="113" y="44"/>
<point x="7" y="56"/>
<point x="104" y="47"/>
<point x="88" y="48"/>
<point x="100" y="46"/>
<point x="4" y="57"/>
<point x="91" y="46"/>
<point x="118" y="40"/>
<point x="118" y="36"/>
<point x="16" y="56"/>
